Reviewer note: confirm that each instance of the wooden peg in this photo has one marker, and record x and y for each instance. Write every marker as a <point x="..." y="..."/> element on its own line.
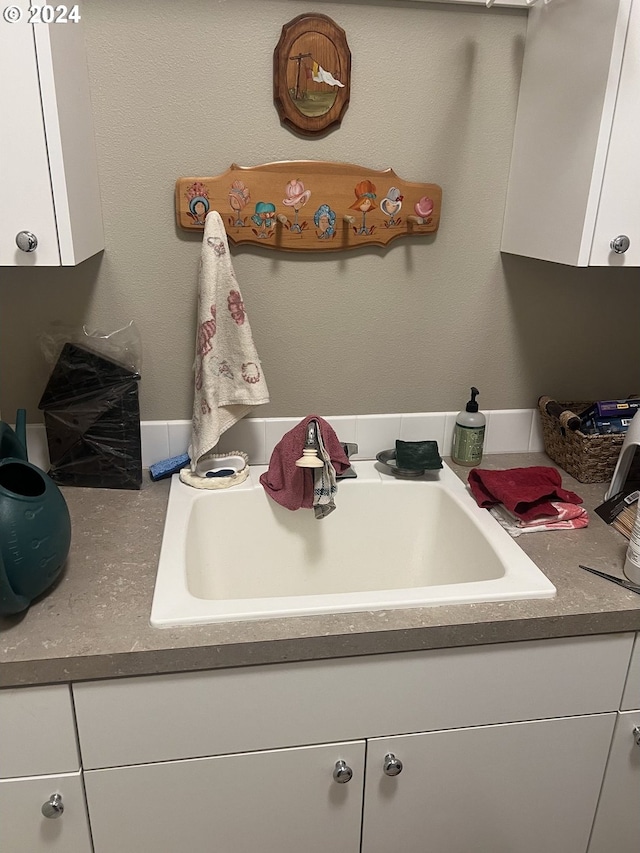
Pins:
<point x="282" y="219"/>
<point x="416" y="219"/>
<point x="350" y="220"/>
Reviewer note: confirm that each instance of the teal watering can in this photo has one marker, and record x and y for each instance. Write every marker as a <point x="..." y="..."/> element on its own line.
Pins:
<point x="35" y="528"/>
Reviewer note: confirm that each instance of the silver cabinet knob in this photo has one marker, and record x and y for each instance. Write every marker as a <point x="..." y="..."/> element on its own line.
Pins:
<point x="636" y="735"/>
<point x="392" y="766"/>
<point x="53" y="807"/>
<point x="342" y="773"/>
<point x="26" y="241"/>
<point x="620" y="244"/>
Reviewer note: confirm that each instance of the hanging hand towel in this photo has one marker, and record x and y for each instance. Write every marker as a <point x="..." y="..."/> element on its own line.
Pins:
<point x="325" y="484"/>
<point x="293" y="487"/>
<point x="228" y="374"/>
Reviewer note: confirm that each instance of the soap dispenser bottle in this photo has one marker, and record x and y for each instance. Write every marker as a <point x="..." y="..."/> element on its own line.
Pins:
<point x="468" y="433"/>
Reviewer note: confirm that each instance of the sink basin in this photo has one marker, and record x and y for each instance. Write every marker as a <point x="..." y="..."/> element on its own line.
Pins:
<point x="235" y="554"/>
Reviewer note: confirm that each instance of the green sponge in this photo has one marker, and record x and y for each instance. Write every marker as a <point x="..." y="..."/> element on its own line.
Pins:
<point x="417" y="455"/>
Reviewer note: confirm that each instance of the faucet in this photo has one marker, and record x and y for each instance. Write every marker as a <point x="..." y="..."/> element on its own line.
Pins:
<point x="310" y="458"/>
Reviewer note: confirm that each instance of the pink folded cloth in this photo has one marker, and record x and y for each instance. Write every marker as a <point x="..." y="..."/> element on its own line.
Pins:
<point x="288" y="485"/>
<point x="569" y="517"/>
<point x="526" y="492"/>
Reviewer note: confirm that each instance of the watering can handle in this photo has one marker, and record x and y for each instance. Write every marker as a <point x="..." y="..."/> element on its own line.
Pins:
<point x="13" y="442"/>
<point x="9" y="601"/>
<point x="21" y="429"/>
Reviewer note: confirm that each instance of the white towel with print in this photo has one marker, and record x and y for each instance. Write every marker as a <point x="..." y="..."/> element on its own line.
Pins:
<point x="228" y="373"/>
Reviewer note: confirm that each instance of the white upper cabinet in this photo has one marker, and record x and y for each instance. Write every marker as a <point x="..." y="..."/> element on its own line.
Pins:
<point x="574" y="184"/>
<point x="48" y="173"/>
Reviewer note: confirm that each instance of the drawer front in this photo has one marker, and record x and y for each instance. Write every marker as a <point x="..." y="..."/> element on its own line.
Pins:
<point x="159" y="718"/>
<point x="37" y="731"/>
<point x="23" y="827"/>
<point x="280" y="800"/>
<point x="631" y="697"/>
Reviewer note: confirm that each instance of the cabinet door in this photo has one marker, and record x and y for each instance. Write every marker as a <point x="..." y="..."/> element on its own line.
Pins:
<point x="570" y="75"/>
<point x="617" y="826"/>
<point x="23" y="827"/>
<point x="515" y="788"/>
<point x="619" y="211"/>
<point x="631" y="696"/>
<point x="26" y="201"/>
<point x="262" y="802"/>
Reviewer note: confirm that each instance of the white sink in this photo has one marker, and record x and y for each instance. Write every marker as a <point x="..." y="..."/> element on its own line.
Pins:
<point x="235" y="554"/>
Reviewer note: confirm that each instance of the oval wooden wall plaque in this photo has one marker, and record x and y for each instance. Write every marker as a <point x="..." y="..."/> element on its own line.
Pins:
<point x="311" y="74"/>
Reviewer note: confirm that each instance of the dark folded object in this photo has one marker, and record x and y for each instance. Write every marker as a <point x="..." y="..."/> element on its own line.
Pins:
<point x="526" y="492"/>
<point x="613" y="506"/>
<point x="417" y="455"/>
<point x="92" y="418"/>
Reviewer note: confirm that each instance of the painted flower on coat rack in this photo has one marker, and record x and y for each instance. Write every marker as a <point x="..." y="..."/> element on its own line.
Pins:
<point x="198" y="198"/>
<point x="424" y="208"/>
<point x="296" y="199"/>
<point x="365" y="201"/>
<point x="391" y="205"/>
<point x="265" y="218"/>
<point x="325" y="220"/>
<point x="239" y="197"/>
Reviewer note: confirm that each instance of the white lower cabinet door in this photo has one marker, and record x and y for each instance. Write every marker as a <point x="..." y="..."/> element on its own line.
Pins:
<point x="25" y="829"/>
<point x="617" y="826"/>
<point x="277" y="801"/>
<point x="515" y="788"/>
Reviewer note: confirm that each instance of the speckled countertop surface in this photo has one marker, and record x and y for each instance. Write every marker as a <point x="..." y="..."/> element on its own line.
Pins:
<point x="95" y="622"/>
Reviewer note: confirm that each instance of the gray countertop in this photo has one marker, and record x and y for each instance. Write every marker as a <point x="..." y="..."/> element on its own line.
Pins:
<point x="95" y="622"/>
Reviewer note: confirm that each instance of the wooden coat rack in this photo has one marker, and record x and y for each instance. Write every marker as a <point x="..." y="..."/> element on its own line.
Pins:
<point x="310" y="206"/>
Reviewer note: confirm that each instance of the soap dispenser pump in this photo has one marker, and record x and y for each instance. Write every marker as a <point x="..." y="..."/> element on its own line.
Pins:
<point x="468" y="433"/>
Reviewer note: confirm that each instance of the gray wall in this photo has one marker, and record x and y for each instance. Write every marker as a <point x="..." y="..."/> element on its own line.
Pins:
<point x="185" y="88"/>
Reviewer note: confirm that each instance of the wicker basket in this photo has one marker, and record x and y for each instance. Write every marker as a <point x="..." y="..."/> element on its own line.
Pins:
<point x="588" y="458"/>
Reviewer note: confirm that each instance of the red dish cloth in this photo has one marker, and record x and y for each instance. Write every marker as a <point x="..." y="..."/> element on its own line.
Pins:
<point x="288" y="485"/>
<point x="526" y="492"/>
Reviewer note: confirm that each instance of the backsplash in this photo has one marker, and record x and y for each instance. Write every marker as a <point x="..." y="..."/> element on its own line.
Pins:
<point x="508" y="431"/>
